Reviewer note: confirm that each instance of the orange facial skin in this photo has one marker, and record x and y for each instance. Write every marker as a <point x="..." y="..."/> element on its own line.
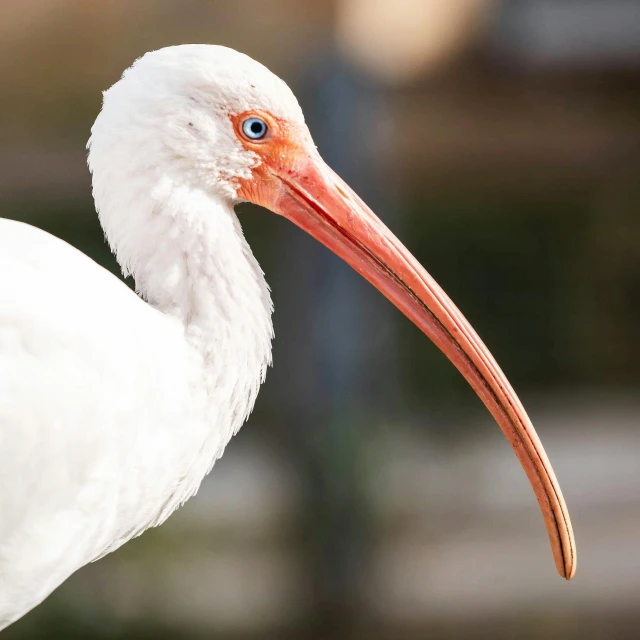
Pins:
<point x="282" y="153"/>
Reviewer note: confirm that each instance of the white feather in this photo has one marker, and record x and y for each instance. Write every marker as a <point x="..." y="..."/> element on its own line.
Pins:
<point x="113" y="409"/>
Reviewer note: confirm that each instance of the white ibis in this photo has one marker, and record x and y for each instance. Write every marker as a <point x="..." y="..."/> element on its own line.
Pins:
<point x="114" y="406"/>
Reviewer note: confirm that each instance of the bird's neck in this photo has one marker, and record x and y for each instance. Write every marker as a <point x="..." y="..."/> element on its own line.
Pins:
<point x="200" y="269"/>
<point x="190" y="260"/>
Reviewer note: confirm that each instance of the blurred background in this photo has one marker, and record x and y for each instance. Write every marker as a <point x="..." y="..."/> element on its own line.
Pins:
<point x="370" y="495"/>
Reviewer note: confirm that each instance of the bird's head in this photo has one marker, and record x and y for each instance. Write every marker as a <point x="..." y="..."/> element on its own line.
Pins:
<point x="206" y="115"/>
<point x="217" y="121"/>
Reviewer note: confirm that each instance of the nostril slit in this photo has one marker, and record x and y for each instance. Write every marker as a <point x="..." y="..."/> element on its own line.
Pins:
<point x="342" y="192"/>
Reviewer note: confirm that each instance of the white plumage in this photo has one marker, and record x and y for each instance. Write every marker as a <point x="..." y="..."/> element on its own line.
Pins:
<point x="112" y="410"/>
<point x="114" y="406"/>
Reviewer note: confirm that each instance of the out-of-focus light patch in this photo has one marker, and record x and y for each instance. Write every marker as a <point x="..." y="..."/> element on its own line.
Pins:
<point x="234" y="591"/>
<point x="570" y="33"/>
<point x="395" y="41"/>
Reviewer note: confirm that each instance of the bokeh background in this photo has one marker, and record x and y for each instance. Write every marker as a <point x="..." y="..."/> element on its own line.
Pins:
<point x="370" y="495"/>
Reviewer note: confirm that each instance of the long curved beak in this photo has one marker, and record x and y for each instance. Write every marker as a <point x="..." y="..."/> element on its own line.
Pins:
<point x="317" y="200"/>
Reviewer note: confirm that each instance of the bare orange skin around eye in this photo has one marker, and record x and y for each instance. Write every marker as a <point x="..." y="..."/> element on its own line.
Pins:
<point x="283" y="152"/>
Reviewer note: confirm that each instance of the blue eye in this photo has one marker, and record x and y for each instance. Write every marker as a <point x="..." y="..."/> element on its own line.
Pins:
<point x="254" y="128"/>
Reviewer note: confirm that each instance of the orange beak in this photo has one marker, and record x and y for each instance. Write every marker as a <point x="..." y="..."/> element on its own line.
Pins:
<point x="293" y="181"/>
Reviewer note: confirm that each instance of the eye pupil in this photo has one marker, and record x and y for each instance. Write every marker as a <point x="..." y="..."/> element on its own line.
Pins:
<point x="254" y="128"/>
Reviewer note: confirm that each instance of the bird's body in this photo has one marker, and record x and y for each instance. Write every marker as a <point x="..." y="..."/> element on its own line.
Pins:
<point x="112" y="411"/>
<point x="114" y="406"/>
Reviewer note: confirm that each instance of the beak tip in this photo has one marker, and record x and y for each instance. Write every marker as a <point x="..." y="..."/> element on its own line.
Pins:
<point x="571" y="572"/>
<point x="567" y="566"/>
